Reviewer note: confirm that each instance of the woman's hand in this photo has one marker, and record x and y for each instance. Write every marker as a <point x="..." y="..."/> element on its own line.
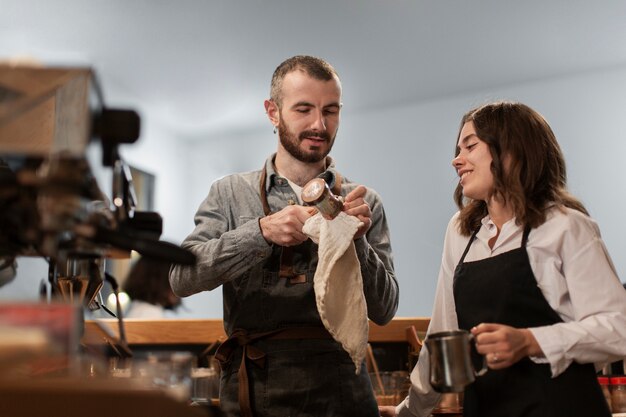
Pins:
<point x="387" y="411"/>
<point x="504" y="345"/>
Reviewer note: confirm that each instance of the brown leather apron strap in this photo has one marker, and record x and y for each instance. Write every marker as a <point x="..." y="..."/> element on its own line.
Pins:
<point x="263" y="192"/>
<point x="337" y="186"/>
<point x="252" y="353"/>
<point x="286" y="263"/>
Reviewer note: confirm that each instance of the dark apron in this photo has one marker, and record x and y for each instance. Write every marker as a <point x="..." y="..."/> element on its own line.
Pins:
<point x="299" y="378"/>
<point x="503" y="289"/>
<point x="294" y="371"/>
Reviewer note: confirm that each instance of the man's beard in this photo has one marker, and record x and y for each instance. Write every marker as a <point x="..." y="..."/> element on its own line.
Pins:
<point x="291" y="143"/>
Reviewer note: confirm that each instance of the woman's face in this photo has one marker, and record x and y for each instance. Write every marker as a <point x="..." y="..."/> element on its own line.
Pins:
<point x="473" y="164"/>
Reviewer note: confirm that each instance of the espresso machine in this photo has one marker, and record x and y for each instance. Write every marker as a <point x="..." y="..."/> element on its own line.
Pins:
<point x="51" y="205"/>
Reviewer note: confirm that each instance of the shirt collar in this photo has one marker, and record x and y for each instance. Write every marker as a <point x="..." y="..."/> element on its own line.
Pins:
<point x="508" y="231"/>
<point x="329" y="175"/>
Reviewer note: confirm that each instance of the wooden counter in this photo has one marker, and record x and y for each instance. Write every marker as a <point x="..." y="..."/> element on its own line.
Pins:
<point x="206" y="331"/>
<point x="87" y="397"/>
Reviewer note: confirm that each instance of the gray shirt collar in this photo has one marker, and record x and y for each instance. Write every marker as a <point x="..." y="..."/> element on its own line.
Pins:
<point x="328" y="175"/>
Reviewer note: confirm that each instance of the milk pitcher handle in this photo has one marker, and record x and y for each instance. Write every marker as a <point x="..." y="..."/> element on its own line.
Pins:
<point x="484" y="368"/>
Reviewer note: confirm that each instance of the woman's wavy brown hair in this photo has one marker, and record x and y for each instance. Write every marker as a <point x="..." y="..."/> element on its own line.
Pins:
<point x="536" y="175"/>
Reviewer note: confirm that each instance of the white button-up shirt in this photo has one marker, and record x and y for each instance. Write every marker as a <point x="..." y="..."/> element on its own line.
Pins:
<point x="576" y="276"/>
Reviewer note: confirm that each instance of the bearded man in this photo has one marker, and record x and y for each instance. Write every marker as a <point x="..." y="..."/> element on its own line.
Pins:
<point x="279" y="359"/>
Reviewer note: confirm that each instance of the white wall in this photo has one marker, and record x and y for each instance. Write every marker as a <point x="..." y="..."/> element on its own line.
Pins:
<point x="404" y="153"/>
<point x="416" y="179"/>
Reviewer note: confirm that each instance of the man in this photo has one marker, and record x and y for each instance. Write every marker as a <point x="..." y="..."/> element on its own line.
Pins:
<point x="249" y="239"/>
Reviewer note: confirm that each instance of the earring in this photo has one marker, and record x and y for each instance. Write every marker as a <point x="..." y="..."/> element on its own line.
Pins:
<point x="274" y="129"/>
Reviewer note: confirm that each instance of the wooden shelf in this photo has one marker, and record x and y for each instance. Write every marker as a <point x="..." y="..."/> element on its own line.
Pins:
<point x="206" y="331"/>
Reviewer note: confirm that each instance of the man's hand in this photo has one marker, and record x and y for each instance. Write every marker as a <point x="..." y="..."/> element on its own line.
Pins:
<point x="284" y="228"/>
<point x="355" y="205"/>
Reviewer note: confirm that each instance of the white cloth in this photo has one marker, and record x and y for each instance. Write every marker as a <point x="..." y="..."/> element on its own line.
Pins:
<point x="338" y="283"/>
<point x="576" y="276"/>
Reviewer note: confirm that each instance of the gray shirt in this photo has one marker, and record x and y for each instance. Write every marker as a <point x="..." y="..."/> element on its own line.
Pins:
<point x="232" y="252"/>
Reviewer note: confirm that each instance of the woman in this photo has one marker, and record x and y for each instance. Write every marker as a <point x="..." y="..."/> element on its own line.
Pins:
<point x="525" y="270"/>
<point x="149" y="289"/>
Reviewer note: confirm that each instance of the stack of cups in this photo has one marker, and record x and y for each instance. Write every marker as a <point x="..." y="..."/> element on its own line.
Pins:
<point x="205" y="385"/>
<point x="618" y="396"/>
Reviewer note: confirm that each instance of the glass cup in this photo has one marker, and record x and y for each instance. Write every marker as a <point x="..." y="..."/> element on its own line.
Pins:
<point x="204" y="385"/>
<point x="169" y="371"/>
<point x="390" y="388"/>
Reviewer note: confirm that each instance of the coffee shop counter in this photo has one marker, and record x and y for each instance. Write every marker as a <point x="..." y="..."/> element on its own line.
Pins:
<point x="82" y="397"/>
<point x="392" y="348"/>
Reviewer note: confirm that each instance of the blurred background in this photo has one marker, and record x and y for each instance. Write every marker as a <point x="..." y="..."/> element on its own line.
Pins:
<point x="197" y="72"/>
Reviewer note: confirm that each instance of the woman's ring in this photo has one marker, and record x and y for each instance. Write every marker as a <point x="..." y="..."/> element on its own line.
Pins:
<point x="495" y="358"/>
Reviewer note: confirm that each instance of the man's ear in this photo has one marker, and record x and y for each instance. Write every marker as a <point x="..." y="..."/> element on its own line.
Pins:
<point x="272" y="111"/>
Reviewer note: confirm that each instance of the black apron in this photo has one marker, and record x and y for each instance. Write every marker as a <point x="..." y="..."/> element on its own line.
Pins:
<point x="503" y="289"/>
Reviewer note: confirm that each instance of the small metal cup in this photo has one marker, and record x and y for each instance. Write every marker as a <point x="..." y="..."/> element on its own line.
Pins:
<point x="317" y="193"/>
<point x="451" y="368"/>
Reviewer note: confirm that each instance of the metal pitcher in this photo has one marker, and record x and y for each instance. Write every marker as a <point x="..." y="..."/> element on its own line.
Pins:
<point x="451" y="368"/>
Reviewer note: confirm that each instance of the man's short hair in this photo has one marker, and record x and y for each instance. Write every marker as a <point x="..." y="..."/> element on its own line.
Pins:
<point x="312" y="66"/>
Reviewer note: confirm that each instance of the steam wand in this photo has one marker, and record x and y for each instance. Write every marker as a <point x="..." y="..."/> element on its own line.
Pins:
<point x="120" y="320"/>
